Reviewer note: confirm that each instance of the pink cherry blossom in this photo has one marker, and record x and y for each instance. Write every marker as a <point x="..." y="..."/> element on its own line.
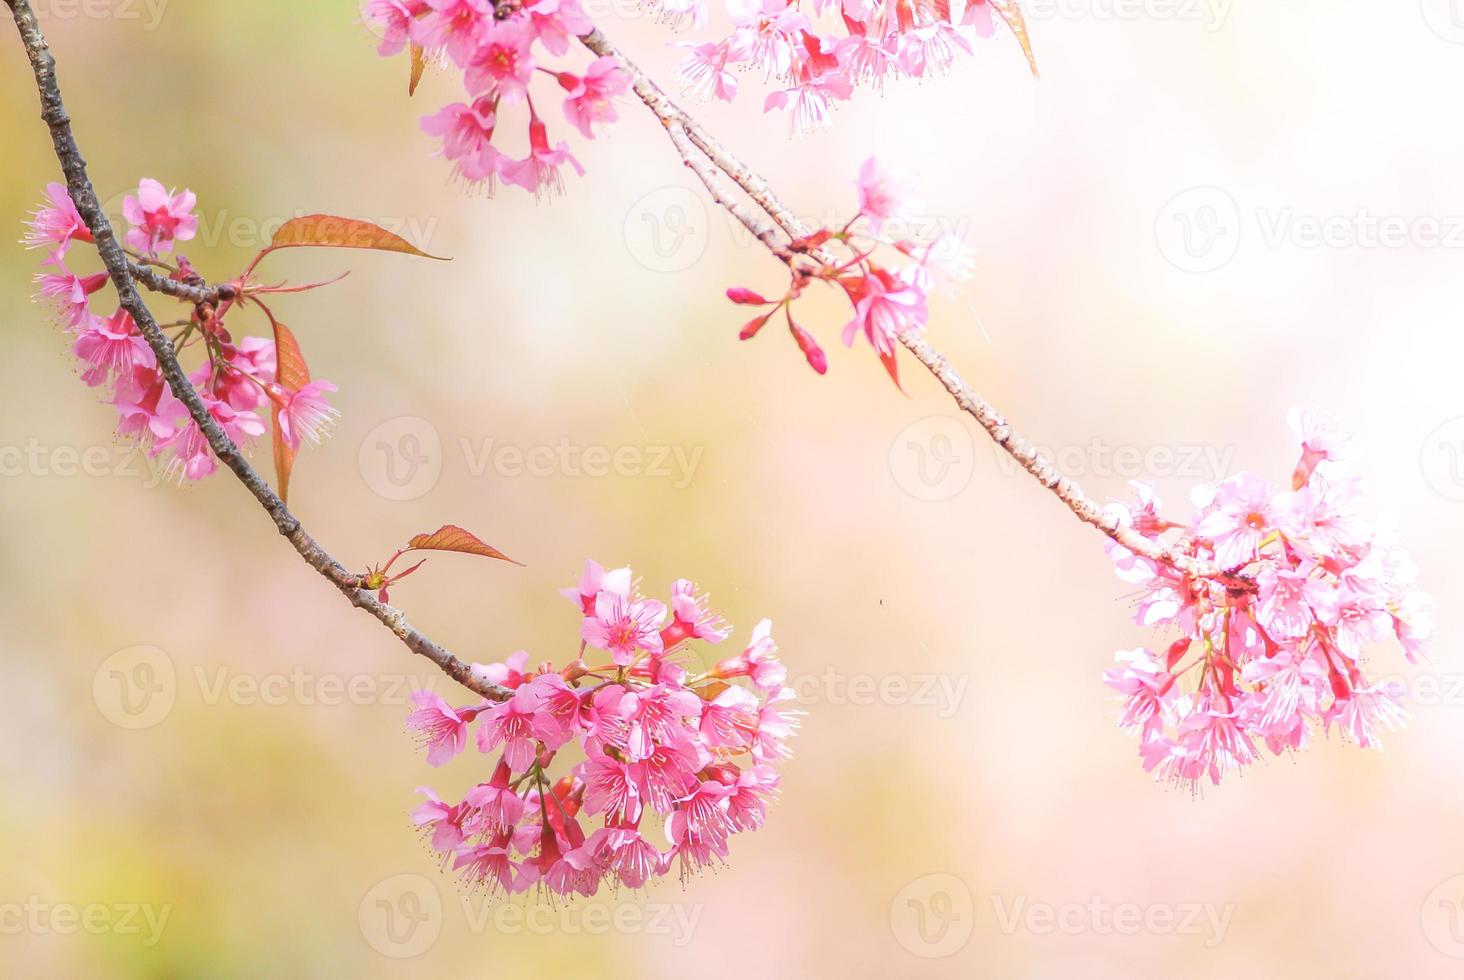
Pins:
<point x="490" y="866"/>
<point x="111" y="347"/>
<point x="660" y="745"/>
<point x="502" y="65"/>
<point x="147" y="410"/>
<point x="1143" y="682"/>
<point x="509" y="674"/>
<point x="539" y="171"/>
<point x="883" y="195"/>
<point x="623" y="627"/>
<point x="596" y="580"/>
<point x="455" y="26"/>
<point x="612" y="788"/>
<point x="1276" y="649"/>
<point x="467" y="139"/>
<point x="759" y="661"/>
<point x="557" y="23"/>
<point x="627" y="855"/>
<point x="517" y="724"/>
<point x="591" y="95"/>
<point x="56" y="225"/>
<point x="439" y="820"/>
<point x="442" y="728"/>
<point x="393" y="21"/>
<point x="703" y="72"/>
<point x="251" y="365"/>
<point x="305" y="414"/>
<point x="691" y="617"/>
<point x="192" y="457"/>
<point x="70" y="292"/>
<point x="1240" y="519"/>
<point x="886" y="307"/>
<point x="159" y="218"/>
<point x="494" y="804"/>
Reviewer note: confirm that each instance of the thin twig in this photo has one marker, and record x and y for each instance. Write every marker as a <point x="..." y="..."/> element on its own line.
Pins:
<point x="123" y="275"/>
<point x="705" y="156"/>
<point x="195" y="293"/>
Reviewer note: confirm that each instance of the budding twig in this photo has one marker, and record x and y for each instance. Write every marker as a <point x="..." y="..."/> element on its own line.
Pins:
<point x="711" y="162"/>
<point x="125" y="275"/>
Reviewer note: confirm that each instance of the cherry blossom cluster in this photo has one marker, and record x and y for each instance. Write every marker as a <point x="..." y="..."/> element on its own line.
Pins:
<point x="887" y="301"/>
<point x="1274" y="647"/>
<point x="863" y="42"/>
<point x="236" y="380"/>
<point x="500" y="48"/>
<point x="643" y="737"/>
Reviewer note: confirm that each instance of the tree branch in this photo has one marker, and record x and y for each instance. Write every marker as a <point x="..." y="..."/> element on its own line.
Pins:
<point x="710" y="161"/>
<point x="123" y="274"/>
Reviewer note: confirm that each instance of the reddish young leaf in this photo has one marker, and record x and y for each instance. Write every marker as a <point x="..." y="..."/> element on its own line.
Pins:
<point x="1011" y="12"/>
<point x="419" y="63"/>
<point x="330" y="231"/>
<point x="293" y="373"/>
<point x="284" y="457"/>
<point x="450" y="537"/>
<point x="892" y="365"/>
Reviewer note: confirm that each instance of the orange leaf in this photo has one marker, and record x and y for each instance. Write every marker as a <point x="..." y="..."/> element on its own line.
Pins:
<point x="284" y="458"/>
<point x="419" y="62"/>
<point x="1011" y="12"/>
<point x="450" y="537"/>
<point x="293" y="373"/>
<point x="330" y="231"/>
<point x="712" y="691"/>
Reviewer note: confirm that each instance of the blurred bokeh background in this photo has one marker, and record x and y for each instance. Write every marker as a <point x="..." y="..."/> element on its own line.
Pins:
<point x="197" y="728"/>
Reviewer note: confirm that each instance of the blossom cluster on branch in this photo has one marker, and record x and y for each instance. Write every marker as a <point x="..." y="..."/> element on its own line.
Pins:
<point x="820" y="52"/>
<point x="656" y="739"/>
<point x="888" y="299"/>
<point x="237" y="379"/>
<point x="1265" y="660"/>
<point x="500" y="49"/>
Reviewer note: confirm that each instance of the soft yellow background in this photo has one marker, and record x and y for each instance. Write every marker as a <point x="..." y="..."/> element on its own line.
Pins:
<point x="271" y="825"/>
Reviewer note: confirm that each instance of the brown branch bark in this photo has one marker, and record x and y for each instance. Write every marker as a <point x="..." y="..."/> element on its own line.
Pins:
<point x="712" y="162"/>
<point x="124" y="275"/>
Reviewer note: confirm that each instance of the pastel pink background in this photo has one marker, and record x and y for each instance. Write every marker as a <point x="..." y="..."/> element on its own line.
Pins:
<point x="271" y="826"/>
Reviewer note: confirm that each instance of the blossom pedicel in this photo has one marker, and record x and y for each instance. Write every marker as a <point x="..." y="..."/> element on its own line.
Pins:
<point x="693" y="751"/>
<point x="1277" y="652"/>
